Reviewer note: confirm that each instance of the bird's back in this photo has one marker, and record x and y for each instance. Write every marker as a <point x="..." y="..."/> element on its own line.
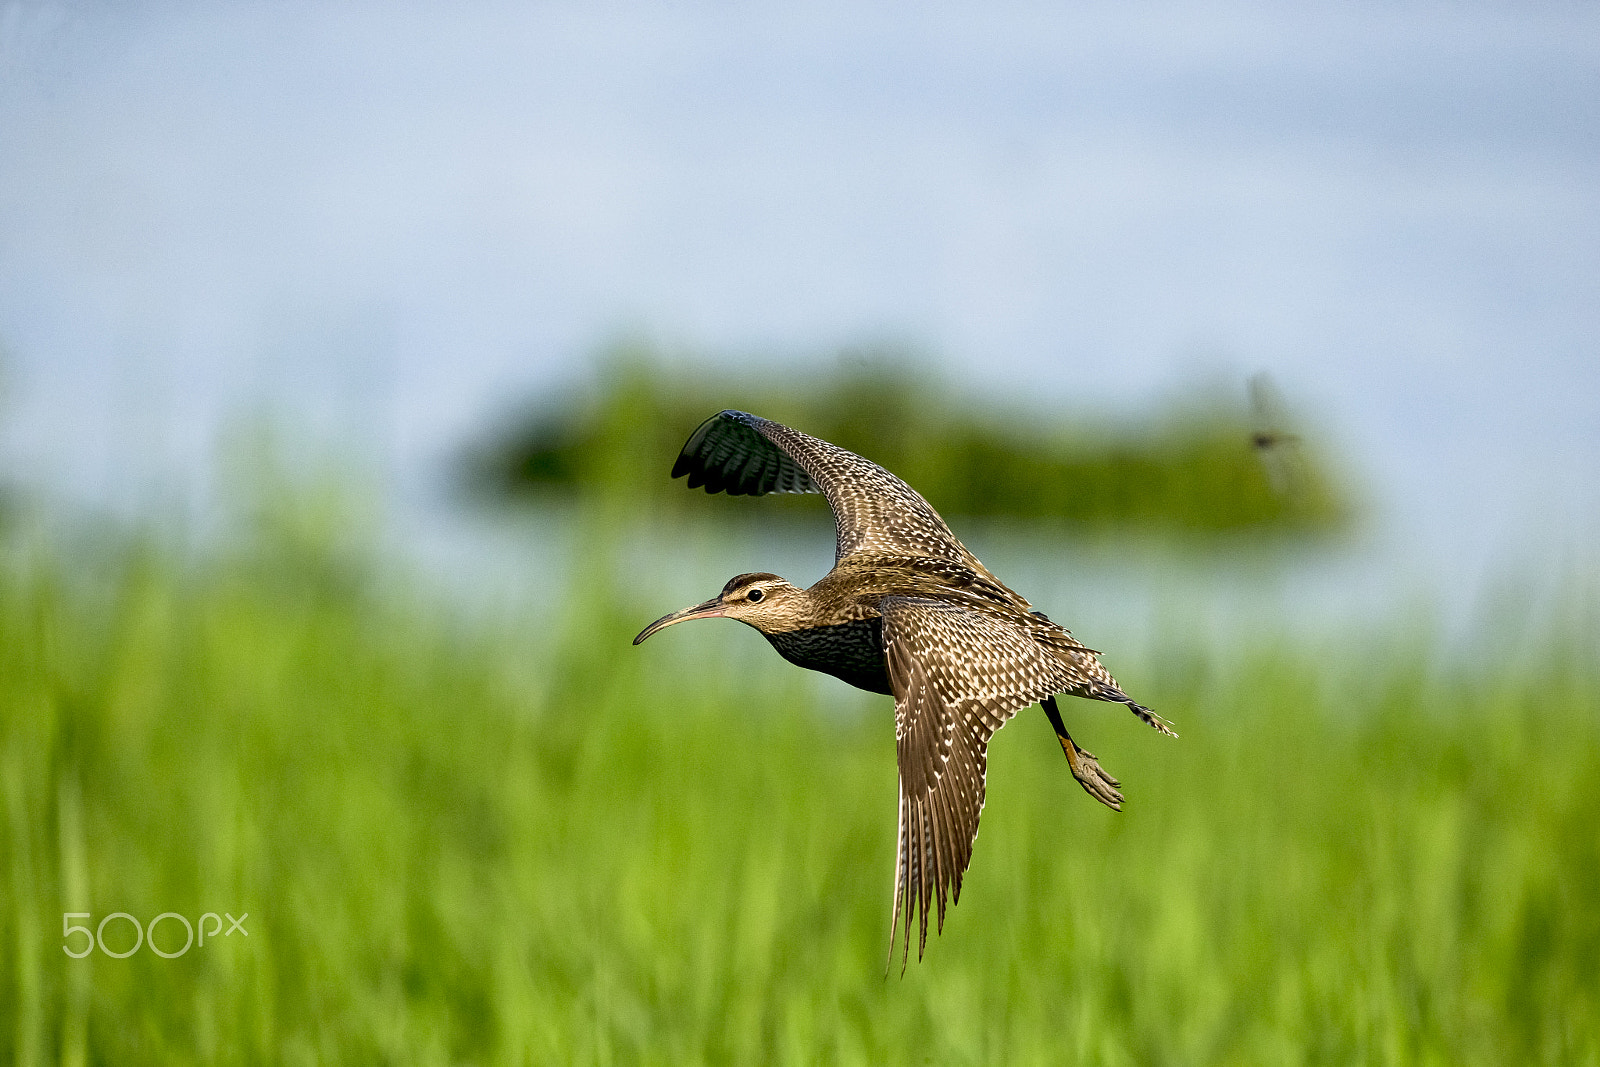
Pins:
<point x="843" y="636"/>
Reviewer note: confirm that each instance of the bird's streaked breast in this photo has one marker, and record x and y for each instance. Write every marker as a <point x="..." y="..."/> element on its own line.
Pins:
<point x="851" y="651"/>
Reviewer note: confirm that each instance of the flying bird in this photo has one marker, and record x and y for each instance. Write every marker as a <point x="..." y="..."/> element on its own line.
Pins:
<point x="1279" y="450"/>
<point x="906" y="611"/>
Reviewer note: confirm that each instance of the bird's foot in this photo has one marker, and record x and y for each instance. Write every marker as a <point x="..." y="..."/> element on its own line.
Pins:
<point x="1094" y="779"/>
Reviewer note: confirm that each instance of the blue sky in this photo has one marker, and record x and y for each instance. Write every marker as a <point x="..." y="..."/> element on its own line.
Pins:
<point x="396" y="219"/>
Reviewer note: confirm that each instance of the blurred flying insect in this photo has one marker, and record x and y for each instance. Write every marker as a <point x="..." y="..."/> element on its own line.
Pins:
<point x="1278" y="449"/>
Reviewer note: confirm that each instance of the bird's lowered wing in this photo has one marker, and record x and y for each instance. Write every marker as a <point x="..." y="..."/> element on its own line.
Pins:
<point x="874" y="512"/>
<point x="958" y="675"/>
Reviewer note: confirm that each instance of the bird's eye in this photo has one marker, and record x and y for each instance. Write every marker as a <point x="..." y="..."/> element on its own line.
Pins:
<point x="754" y="596"/>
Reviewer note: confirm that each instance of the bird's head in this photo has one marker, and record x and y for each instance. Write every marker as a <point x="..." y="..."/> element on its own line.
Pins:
<point x="762" y="600"/>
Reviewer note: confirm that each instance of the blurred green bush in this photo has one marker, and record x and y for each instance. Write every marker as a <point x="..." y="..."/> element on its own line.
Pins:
<point x="1189" y="470"/>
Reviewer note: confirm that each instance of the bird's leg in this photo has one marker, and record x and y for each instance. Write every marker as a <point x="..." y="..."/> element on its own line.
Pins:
<point x="1085" y="768"/>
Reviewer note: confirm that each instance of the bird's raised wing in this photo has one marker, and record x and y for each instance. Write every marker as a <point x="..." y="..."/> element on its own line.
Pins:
<point x="874" y="512"/>
<point x="958" y="675"/>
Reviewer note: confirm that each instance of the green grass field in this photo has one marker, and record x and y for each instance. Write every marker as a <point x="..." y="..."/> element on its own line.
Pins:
<point x="477" y="842"/>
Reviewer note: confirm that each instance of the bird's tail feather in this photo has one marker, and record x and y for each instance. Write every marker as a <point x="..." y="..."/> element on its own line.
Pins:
<point x="1144" y="714"/>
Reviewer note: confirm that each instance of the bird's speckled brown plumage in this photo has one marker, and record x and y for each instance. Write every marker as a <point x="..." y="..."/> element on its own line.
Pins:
<point x="907" y="611"/>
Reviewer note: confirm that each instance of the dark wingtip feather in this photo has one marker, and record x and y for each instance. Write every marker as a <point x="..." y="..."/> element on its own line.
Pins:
<point x="729" y="453"/>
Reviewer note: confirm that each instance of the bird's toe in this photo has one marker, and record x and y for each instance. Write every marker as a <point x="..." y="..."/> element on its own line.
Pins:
<point x="1096" y="782"/>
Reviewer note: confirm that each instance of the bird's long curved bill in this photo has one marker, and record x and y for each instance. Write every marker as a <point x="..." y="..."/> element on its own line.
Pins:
<point x="711" y="609"/>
